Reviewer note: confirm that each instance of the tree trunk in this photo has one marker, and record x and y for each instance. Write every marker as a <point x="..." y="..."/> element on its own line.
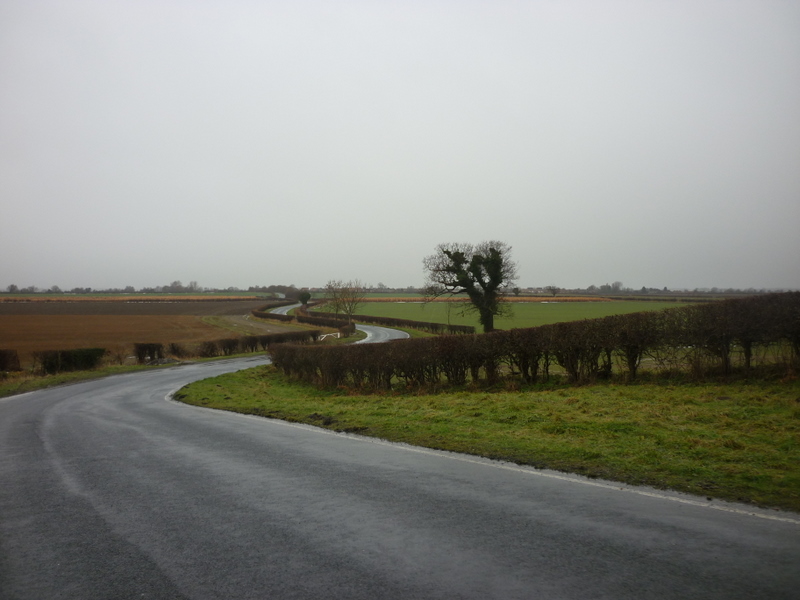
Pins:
<point x="487" y="320"/>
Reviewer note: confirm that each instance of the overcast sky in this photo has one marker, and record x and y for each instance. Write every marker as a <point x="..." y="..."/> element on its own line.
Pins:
<point x="264" y="142"/>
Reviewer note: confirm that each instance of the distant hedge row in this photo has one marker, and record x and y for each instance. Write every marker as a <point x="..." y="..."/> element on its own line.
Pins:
<point x="695" y="339"/>
<point x="274" y="316"/>
<point x="223" y="347"/>
<point x="51" y="362"/>
<point x="436" y="328"/>
<point x="329" y="321"/>
<point x="9" y="360"/>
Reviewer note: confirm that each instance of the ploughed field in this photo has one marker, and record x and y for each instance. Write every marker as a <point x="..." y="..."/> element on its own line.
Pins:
<point x="117" y="307"/>
<point x="28" y="327"/>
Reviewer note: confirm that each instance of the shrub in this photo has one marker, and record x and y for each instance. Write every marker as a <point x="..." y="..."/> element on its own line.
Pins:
<point x="50" y="362"/>
<point x="148" y="352"/>
<point x="273" y="316"/>
<point x="177" y="351"/>
<point x="347" y="330"/>
<point x="323" y="321"/>
<point x="228" y="346"/>
<point x="250" y="343"/>
<point x="9" y="360"/>
<point x="208" y="349"/>
<point x="267" y="341"/>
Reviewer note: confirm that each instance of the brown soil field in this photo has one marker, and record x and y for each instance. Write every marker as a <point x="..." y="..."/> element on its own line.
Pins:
<point x="92" y="307"/>
<point x="117" y="326"/>
<point x="126" y="298"/>
<point x="117" y="334"/>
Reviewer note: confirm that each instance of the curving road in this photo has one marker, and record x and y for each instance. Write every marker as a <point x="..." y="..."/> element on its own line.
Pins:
<point x="284" y="310"/>
<point x="375" y="334"/>
<point x="108" y="490"/>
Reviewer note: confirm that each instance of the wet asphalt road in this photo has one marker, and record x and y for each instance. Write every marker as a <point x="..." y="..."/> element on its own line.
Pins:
<point x="110" y="491"/>
<point x="375" y="334"/>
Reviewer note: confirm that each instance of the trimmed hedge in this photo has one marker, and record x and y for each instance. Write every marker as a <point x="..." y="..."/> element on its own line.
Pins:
<point x="208" y="349"/>
<point x="9" y="360"/>
<point x="250" y="343"/>
<point x="50" y="362"/>
<point x="323" y="321"/>
<point x="148" y="352"/>
<point x="273" y="316"/>
<point x="695" y="339"/>
<point x="269" y="306"/>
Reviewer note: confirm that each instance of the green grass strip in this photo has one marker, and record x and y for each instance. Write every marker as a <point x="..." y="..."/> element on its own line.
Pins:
<point x="738" y="441"/>
<point x="523" y="314"/>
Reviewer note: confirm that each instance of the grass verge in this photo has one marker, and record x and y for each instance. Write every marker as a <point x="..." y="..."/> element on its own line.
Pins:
<point x="735" y="441"/>
<point x="25" y="382"/>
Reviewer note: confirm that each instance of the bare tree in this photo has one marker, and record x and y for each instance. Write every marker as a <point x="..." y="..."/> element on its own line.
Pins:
<point x="345" y="297"/>
<point x="552" y="289"/>
<point x="481" y="272"/>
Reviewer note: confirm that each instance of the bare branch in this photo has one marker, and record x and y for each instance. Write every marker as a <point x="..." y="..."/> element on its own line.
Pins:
<point x="480" y="272"/>
<point x="345" y="297"/>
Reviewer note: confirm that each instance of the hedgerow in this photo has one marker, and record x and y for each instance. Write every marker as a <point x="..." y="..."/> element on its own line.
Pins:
<point x="148" y="352"/>
<point x="274" y="316"/>
<point x="695" y="339"/>
<point x="50" y="362"/>
<point x="329" y="321"/>
<point x="9" y="360"/>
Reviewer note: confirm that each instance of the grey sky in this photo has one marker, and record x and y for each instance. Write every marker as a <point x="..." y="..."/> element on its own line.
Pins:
<point x="255" y="142"/>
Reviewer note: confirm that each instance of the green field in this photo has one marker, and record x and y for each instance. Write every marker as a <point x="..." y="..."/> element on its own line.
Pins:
<point x="737" y="441"/>
<point x="524" y="314"/>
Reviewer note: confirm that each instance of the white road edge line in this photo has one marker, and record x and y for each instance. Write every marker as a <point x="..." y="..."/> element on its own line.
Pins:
<point x="487" y="462"/>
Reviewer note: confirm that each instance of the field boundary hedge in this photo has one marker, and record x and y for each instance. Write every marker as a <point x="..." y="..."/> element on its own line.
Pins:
<point x="697" y="339"/>
<point x="50" y="362"/>
<point x="9" y="361"/>
<point x="148" y="352"/>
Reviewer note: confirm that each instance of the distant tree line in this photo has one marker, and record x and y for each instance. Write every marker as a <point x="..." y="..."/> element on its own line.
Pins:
<point x="176" y="287"/>
<point x="618" y="289"/>
<point x="290" y="291"/>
